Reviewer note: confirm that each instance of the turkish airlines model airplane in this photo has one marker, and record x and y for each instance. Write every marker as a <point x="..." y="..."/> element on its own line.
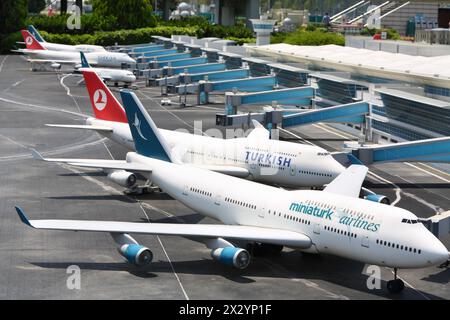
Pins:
<point x="39" y="54"/>
<point x="63" y="47"/>
<point x="333" y="221"/>
<point x="113" y="75"/>
<point x="255" y="157"/>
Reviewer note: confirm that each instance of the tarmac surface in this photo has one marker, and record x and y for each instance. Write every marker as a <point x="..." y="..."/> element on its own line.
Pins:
<point x="34" y="263"/>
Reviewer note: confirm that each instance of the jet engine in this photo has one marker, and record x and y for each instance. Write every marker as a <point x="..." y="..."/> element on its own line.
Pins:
<point x="123" y="178"/>
<point x="232" y="256"/>
<point x="371" y="196"/>
<point x="136" y="254"/>
<point x="378" y="198"/>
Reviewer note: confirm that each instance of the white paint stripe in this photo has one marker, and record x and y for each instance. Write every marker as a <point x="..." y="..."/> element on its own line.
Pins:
<point x="14" y="142"/>
<point x="56" y="109"/>
<point x="296" y="136"/>
<point x="435" y="169"/>
<point x="427" y="172"/>
<point x="167" y="256"/>
<point x="398" y="190"/>
<point x="3" y="62"/>
<point x="331" y="131"/>
<point x="61" y="81"/>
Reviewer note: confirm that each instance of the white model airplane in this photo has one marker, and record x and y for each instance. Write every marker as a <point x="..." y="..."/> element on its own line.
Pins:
<point x="333" y="221"/>
<point x="107" y="74"/>
<point x="255" y="157"/>
<point x="63" y="47"/>
<point x="38" y="54"/>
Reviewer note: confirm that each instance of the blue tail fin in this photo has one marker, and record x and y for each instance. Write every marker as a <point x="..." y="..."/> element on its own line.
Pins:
<point x="84" y="62"/>
<point x="353" y="159"/>
<point x="35" y="33"/>
<point x="147" y="140"/>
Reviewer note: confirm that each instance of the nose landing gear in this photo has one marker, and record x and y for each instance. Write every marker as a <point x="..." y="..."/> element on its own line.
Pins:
<point x="397" y="285"/>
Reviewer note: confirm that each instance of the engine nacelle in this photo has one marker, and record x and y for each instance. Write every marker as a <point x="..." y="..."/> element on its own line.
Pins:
<point x="123" y="178"/>
<point x="136" y="254"/>
<point x="232" y="256"/>
<point x="378" y="198"/>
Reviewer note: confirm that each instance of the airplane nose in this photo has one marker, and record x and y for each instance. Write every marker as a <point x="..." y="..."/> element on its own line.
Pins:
<point x="438" y="254"/>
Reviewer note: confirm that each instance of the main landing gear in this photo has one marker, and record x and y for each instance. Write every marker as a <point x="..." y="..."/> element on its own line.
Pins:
<point x="397" y="285"/>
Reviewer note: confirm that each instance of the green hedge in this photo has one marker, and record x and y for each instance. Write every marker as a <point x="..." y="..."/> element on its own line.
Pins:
<point x="303" y="37"/>
<point x="122" y="37"/>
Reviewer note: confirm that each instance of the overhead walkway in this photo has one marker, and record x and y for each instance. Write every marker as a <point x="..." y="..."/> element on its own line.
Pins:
<point x="293" y="96"/>
<point x="428" y="150"/>
<point x="347" y="113"/>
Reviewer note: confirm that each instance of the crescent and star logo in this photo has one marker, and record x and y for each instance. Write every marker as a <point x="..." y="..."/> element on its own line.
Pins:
<point x="100" y="99"/>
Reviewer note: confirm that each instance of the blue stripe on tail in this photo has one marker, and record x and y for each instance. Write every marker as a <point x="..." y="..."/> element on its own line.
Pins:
<point x="84" y="62"/>
<point x="35" y="33"/>
<point x="147" y="140"/>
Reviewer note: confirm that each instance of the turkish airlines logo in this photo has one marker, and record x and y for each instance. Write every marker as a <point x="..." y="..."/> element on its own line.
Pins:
<point x="29" y="40"/>
<point x="100" y="99"/>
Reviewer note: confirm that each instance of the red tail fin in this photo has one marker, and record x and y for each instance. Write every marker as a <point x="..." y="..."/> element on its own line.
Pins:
<point x="103" y="102"/>
<point x="30" y="41"/>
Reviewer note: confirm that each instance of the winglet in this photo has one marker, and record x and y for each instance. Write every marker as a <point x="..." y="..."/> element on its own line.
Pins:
<point x="84" y="62"/>
<point x="35" y="33"/>
<point x="36" y="155"/>
<point x="147" y="139"/>
<point x="23" y="217"/>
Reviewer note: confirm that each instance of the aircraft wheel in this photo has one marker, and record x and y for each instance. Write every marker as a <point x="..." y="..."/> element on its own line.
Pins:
<point x="395" y="286"/>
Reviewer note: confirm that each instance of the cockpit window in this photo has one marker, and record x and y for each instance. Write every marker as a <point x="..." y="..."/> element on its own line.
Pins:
<point x="323" y="153"/>
<point x="410" y="221"/>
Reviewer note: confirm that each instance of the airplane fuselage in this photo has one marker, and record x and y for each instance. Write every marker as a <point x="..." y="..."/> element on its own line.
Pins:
<point x="348" y="227"/>
<point x="270" y="161"/>
<point x="114" y="75"/>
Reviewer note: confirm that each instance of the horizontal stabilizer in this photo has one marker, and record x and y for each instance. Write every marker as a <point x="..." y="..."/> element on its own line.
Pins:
<point x="349" y="182"/>
<point x="82" y="126"/>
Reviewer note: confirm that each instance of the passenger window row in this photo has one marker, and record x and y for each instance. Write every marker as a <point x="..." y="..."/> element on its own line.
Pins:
<point x="398" y="246"/>
<point x="339" y="231"/>
<point x="315" y="173"/>
<point x="240" y="203"/>
<point x="202" y="192"/>
<point x="292" y="218"/>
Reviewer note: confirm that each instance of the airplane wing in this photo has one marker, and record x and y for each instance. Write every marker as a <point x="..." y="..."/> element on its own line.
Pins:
<point x="85" y="127"/>
<point x="236" y="232"/>
<point x="95" y="163"/>
<point x="228" y="170"/>
<point x="349" y="182"/>
<point x="259" y="132"/>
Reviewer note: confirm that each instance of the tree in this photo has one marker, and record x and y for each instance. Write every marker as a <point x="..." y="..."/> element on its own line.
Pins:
<point x="130" y="14"/>
<point x="12" y="15"/>
<point x="63" y="6"/>
<point x="36" y="6"/>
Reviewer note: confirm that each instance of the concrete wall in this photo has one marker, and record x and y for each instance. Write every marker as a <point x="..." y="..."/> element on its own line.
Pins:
<point x="398" y="19"/>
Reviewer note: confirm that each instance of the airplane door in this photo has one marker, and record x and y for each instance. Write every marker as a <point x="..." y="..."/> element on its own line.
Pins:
<point x="293" y="170"/>
<point x="261" y="211"/>
<point x="186" y="190"/>
<point x="217" y="200"/>
<point x="316" y="228"/>
<point x="365" y="241"/>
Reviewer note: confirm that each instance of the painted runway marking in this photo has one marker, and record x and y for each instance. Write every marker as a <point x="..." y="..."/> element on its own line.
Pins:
<point x="2" y="63"/>
<point x="165" y="253"/>
<point x="61" y="81"/>
<point x="426" y="171"/>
